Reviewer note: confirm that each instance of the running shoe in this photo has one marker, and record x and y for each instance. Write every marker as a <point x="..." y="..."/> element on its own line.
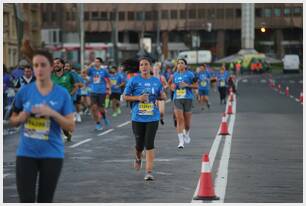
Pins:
<point x="106" y="122"/>
<point x="137" y="164"/>
<point x="187" y="139"/>
<point x="208" y="105"/>
<point x="68" y="135"/>
<point x="162" y="121"/>
<point x="78" y="118"/>
<point x="99" y="127"/>
<point x="119" y="111"/>
<point x="149" y="177"/>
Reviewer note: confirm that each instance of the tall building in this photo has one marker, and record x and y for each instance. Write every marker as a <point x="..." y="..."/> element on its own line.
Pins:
<point x="21" y="22"/>
<point x="173" y="25"/>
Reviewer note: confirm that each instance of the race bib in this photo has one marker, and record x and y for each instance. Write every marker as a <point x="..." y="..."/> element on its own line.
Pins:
<point x="96" y="79"/>
<point x="203" y="83"/>
<point x="180" y="93"/>
<point x="113" y="81"/>
<point x="37" y="128"/>
<point x="222" y="83"/>
<point x="145" y="108"/>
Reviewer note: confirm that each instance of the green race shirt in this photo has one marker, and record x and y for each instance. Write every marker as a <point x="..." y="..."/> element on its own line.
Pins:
<point x="65" y="81"/>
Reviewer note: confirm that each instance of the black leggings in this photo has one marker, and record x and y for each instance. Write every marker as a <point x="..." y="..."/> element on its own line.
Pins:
<point x="144" y="134"/>
<point x="27" y="170"/>
<point x="222" y="92"/>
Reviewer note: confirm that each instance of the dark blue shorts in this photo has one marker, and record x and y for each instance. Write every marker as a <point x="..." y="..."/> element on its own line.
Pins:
<point x="204" y="92"/>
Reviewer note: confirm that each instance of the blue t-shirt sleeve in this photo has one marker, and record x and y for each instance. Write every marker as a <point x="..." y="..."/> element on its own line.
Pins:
<point x="68" y="107"/>
<point x="128" y="88"/>
<point x="106" y="74"/>
<point x="18" y="99"/>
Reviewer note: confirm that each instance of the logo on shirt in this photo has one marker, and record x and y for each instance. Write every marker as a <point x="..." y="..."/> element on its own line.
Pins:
<point x="147" y="84"/>
<point x="52" y="103"/>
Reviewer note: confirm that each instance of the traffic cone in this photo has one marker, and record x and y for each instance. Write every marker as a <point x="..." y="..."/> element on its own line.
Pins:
<point x="224" y="129"/>
<point x="279" y="88"/>
<point x="301" y="97"/>
<point x="287" y="91"/>
<point x="206" y="188"/>
<point x="229" y="108"/>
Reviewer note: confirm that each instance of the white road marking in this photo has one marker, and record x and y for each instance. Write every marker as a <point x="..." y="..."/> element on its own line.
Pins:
<point x="263" y="81"/>
<point x="168" y="100"/>
<point x="221" y="179"/>
<point x="291" y="96"/>
<point x="291" y="81"/>
<point x="296" y="99"/>
<point x="106" y="132"/>
<point x="223" y="167"/>
<point x="245" y="80"/>
<point x="82" y="142"/>
<point x="123" y="124"/>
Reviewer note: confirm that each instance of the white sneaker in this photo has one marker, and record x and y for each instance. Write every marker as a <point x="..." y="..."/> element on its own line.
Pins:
<point x="181" y="142"/>
<point x="187" y="139"/>
<point x="78" y="118"/>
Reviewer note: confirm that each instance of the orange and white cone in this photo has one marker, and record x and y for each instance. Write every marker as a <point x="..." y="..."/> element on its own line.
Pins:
<point x="206" y="187"/>
<point x="229" y="108"/>
<point x="287" y="91"/>
<point x="301" y="97"/>
<point x="224" y="128"/>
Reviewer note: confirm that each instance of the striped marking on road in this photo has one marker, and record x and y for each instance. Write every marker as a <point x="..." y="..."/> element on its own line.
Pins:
<point x="263" y="81"/>
<point x="245" y="80"/>
<point x="123" y="124"/>
<point x="221" y="179"/>
<point x="80" y="143"/>
<point x="106" y="132"/>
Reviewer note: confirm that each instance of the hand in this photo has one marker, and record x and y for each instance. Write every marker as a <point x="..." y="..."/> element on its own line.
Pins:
<point x="183" y="85"/>
<point x="23" y="116"/>
<point x="43" y="110"/>
<point x="143" y="98"/>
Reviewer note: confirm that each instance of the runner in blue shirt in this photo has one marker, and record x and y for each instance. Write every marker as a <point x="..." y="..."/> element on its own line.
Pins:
<point x="222" y="79"/>
<point x="41" y="114"/>
<point x="204" y="85"/>
<point x="99" y="84"/>
<point x="182" y="83"/>
<point x="143" y="91"/>
<point x="117" y="82"/>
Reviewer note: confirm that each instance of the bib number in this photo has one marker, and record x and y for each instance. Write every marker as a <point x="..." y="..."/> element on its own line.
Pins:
<point x="222" y="83"/>
<point x="203" y="83"/>
<point x="180" y="93"/>
<point x="37" y="128"/>
<point x="96" y="79"/>
<point x="145" y="108"/>
<point x="113" y="82"/>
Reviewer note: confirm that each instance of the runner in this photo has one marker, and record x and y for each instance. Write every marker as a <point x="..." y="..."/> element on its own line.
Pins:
<point x="100" y="86"/>
<point x="27" y="77"/>
<point x="222" y="79"/>
<point x="182" y="83"/>
<point x="160" y="103"/>
<point x="67" y="81"/>
<point x="204" y="85"/>
<point x="85" y="92"/>
<point x="143" y="91"/>
<point x="41" y="114"/>
<point x="116" y="84"/>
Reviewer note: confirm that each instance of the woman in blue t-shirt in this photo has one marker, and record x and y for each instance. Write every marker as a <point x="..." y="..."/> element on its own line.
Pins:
<point x="143" y="91"/>
<point x="41" y="115"/>
<point x="222" y="82"/>
<point x="182" y="82"/>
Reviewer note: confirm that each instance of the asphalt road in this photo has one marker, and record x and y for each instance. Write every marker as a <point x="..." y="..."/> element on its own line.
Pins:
<point x="265" y="163"/>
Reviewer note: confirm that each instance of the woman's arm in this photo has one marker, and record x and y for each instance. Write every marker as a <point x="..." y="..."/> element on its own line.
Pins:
<point x="65" y="122"/>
